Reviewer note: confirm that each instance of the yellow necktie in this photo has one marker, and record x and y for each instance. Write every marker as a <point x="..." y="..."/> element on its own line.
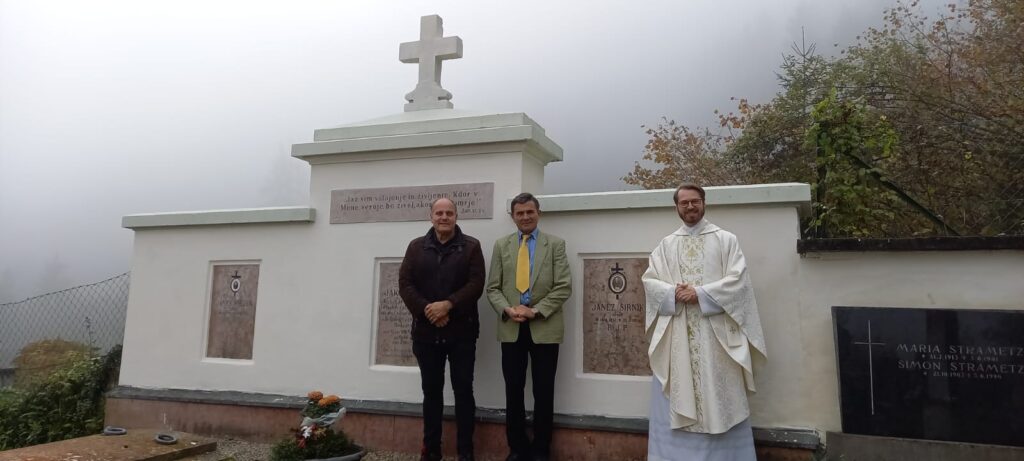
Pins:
<point x="523" y="266"/>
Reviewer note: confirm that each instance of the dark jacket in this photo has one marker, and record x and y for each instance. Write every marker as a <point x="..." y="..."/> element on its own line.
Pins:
<point x="434" y="272"/>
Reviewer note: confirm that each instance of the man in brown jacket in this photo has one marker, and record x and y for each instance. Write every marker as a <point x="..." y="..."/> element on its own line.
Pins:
<point x="440" y="280"/>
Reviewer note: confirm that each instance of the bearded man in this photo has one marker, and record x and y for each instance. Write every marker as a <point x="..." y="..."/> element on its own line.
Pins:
<point x="704" y="329"/>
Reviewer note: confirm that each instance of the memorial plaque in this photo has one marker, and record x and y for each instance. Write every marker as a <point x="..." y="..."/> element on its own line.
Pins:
<point x="232" y="311"/>
<point x="613" y="317"/>
<point x="474" y="201"/>
<point x="393" y="340"/>
<point x="937" y="374"/>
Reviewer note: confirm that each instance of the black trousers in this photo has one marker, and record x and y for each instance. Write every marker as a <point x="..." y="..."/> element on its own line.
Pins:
<point x="431" y="358"/>
<point x="514" y="359"/>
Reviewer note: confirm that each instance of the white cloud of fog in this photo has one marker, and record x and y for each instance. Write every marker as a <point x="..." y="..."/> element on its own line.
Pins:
<point x="110" y="108"/>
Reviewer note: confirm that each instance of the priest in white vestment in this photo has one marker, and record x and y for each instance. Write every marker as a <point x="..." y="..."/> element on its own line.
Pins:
<point x="704" y="331"/>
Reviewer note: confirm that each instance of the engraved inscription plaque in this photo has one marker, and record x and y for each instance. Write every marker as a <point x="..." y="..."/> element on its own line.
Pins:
<point x="389" y="204"/>
<point x="233" y="311"/>
<point x="393" y="344"/>
<point x="939" y="374"/>
<point x="613" y="317"/>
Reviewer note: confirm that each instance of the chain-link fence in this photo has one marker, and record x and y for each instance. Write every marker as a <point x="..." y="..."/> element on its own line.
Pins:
<point x="92" y="315"/>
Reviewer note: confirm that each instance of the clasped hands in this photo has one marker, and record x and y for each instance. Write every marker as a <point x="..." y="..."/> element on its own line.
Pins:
<point x="520" y="313"/>
<point x="437" y="312"/>
<point x="686" y="293"/>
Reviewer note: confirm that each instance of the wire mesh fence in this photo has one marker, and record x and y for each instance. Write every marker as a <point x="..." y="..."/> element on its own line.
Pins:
<point x="90" y="315"/>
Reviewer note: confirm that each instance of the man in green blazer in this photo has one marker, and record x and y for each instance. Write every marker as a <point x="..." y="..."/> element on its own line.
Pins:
<point x="528" y="283"/>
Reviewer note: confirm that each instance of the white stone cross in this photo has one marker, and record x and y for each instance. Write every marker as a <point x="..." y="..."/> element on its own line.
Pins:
<point x="429" y="51"/>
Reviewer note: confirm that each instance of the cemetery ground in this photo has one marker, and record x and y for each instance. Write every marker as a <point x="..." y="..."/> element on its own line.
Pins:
<point x="240" y="450"/>
<point x="60" y="372"/>
<point x="137" y="445"/>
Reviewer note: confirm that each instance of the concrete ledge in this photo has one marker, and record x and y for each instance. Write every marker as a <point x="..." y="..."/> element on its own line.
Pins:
<point x="784" y="194"/>
<point x="422" y="121"/>
<point x="211" y="397"/>
<point x="394" y="433"/>
<point x="852" y="447"/>
<point x="379" y="407"/>
<point x="432" y="128"/>
<point x="218" y="217"/>
<point x="1007" y="242"/>
<point x="788" y="438"/>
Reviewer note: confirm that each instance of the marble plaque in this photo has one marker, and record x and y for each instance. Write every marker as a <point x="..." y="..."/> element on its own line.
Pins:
<point x="613" y="317"/>
<point x="389" y="204"/>
<point x="394" y="322"/>
<point x="940" y="374"/>
<point x="233" y="311"/>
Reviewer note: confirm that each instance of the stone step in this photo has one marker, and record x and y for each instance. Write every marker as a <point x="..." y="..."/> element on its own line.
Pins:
<point x="136" y="445"/>
<point x="855" y="447"/>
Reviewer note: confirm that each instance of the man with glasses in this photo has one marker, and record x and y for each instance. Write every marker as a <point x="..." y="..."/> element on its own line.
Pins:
<point x="705" y="330"/>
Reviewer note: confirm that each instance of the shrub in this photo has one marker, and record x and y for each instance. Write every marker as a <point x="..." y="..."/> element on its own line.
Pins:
<point x="65" y="404"/>
<point x="39" y="359"/>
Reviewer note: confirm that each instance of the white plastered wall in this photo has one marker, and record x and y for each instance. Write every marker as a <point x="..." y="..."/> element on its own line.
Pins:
<point x="936" y="279"/>
<point x="314" y="313"/>
<point x="317" y="283"/>
<point x="768" y="236"/>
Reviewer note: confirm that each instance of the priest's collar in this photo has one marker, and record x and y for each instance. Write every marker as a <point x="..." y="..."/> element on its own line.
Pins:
<point x="702" y="227"/>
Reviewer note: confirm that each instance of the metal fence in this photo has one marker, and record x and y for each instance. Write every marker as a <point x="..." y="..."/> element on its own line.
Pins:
<point x="89" y="314"/>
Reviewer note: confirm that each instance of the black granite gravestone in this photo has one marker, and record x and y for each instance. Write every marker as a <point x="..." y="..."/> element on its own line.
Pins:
<point x="938" y="374"/>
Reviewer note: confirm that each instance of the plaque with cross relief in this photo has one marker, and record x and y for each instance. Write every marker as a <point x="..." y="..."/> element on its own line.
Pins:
<point x="613" y="316"/>
<point x="232" y="311"/>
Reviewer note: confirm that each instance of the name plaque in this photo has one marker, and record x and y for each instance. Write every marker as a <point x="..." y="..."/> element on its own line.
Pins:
<point x="937" y="374"/>
<point x="613" y="317"/>
<point x="392" y="340"/>
<point x="232" y="320"/>
<point x="392" y="204"/>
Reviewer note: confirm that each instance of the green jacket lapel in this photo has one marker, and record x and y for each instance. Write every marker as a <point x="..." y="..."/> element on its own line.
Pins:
<point x="539" y="253"/>
<point x="511" y="249"/>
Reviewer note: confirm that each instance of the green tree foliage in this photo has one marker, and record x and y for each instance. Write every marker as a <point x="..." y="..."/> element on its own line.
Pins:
<point x="847" y="197"/>
<point x="933" y="107"/>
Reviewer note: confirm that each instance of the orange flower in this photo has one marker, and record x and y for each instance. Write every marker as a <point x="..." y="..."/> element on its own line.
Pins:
<point x="315" y="395"/>
<point x="328" y="401"/>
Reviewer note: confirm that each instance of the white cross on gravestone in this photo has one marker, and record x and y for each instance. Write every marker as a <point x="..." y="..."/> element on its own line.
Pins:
<point x="429" y="51"/>
<point x="871" y="364"/>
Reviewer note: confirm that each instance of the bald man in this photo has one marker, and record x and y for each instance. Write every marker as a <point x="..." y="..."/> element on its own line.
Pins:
<point x="440" y="281"/>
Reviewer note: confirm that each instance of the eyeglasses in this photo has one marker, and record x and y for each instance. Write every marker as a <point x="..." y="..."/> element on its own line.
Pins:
<point x="694" y="202"/>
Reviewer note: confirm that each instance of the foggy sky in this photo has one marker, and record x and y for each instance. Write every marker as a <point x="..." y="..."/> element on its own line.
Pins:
<point x="116" y="108"/>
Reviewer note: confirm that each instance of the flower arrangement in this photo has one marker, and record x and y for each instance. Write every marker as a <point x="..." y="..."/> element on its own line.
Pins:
<point x="315" y="438"/>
